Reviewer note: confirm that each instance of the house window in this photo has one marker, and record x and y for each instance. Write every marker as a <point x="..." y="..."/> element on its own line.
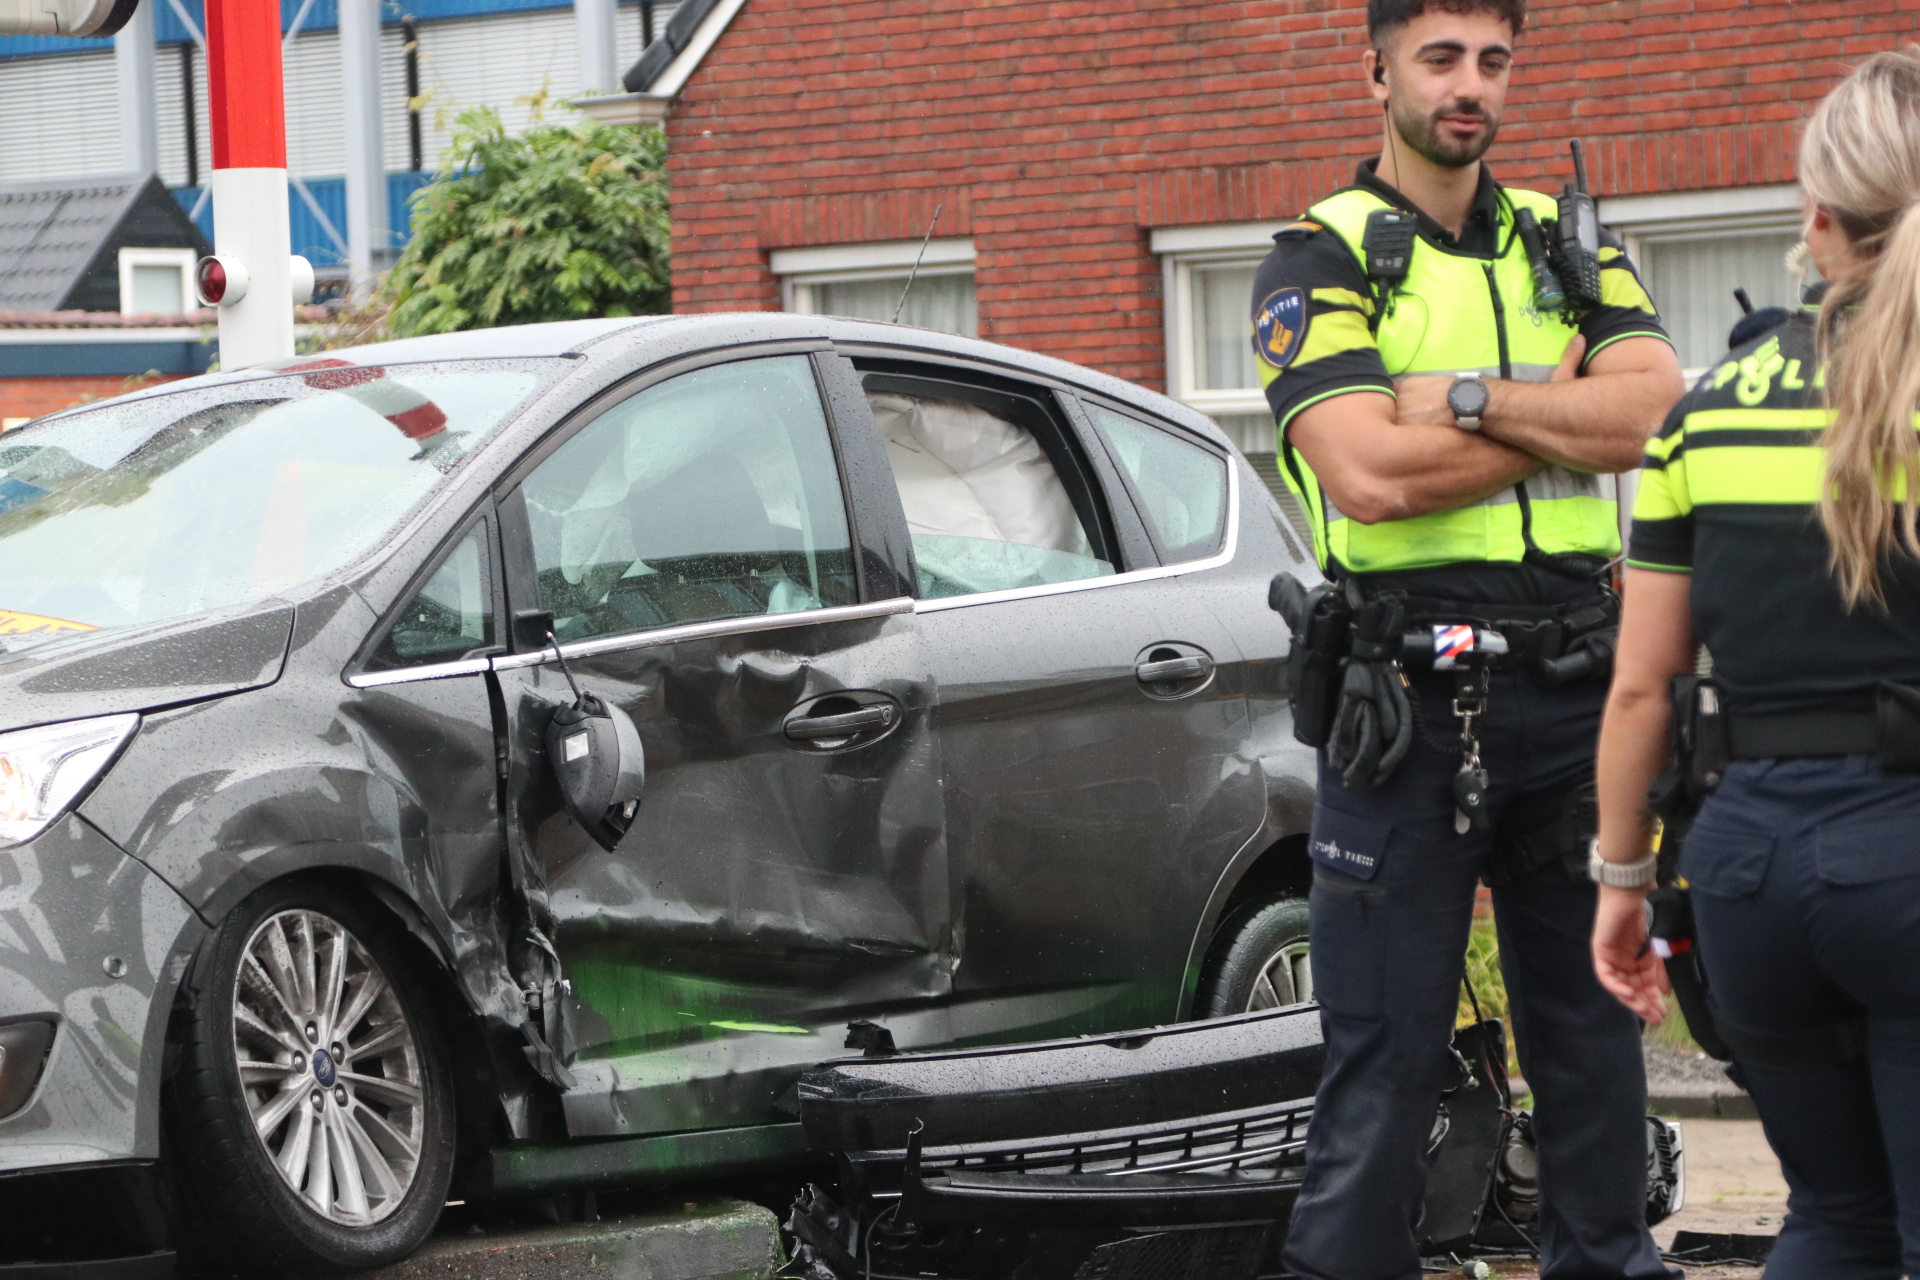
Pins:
<point x="1695" y="249"/>
<point x="156" y="281"/>
<point x="1208" y="280"/>
<point x="866" y="282"/>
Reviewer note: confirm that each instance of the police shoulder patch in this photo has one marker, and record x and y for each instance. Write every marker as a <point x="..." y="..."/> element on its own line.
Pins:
<point x="1279" y="326"/>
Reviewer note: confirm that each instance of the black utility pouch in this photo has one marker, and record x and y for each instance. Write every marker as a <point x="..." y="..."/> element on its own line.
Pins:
<point x="1322" y="628"/>
<point x="1899" y="706"/>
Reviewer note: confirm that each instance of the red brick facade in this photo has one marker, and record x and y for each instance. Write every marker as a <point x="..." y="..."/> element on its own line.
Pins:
<point x="1058" y="133"/>
<point x="31" y="397"/>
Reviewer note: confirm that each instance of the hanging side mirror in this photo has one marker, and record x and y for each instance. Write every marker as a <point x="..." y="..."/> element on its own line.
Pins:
<point x="594" y="749"/>
<point x="600" y="764"/>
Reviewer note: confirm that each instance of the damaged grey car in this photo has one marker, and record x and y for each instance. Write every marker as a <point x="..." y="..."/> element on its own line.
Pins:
<point x="508" y="761"/>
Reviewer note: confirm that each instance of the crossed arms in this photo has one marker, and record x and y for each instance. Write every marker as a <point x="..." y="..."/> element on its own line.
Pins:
<point x="1382" y="458"/>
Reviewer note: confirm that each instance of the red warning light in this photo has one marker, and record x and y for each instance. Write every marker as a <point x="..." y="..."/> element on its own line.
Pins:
<point x="212" y="280"/>
<point x="221" y="282"/>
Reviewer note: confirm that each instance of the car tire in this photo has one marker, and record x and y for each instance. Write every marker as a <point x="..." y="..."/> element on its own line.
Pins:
<point x="309" y="1022"/>
<point x="1259" y="960"/>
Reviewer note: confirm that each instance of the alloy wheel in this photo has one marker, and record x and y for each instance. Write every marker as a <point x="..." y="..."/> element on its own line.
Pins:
<point x="329" y="1064"/>
<point x="1286" y="978"/>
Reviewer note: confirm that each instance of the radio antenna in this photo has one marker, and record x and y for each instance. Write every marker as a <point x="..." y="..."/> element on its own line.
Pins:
<point x="916" y="263"/>
<point x="1579" y="167"/>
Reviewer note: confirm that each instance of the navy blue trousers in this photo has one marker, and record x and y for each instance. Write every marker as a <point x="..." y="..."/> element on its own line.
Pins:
<point x="1392" y="903"/>
<point x="1806" y="893"/>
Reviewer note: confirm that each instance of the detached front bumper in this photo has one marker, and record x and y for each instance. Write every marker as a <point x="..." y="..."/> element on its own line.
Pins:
<point x="92" y="947"/>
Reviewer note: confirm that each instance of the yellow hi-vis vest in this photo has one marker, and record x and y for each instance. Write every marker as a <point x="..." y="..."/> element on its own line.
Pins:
<point x="1456" y="313"/>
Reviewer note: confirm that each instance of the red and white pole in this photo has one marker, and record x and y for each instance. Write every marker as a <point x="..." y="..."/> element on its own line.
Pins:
<point x="250" y="228"/>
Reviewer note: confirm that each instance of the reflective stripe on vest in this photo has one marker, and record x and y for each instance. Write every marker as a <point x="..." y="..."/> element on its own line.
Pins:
<point x="1456" y="313"/>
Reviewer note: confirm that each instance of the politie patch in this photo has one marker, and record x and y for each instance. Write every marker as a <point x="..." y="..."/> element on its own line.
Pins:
<point x="1279" y="326"/>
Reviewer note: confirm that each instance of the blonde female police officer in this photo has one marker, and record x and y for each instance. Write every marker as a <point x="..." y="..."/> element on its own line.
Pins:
<point x="1436" y="431"/>
<point x="1776" y="524"/>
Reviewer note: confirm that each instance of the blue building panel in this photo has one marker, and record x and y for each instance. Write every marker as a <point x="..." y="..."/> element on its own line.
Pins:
<point x="311" y="236"/>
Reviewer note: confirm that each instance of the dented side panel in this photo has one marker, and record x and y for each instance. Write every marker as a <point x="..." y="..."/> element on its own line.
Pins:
<point x="767" y="890"/>
<point x="397" y="786"/>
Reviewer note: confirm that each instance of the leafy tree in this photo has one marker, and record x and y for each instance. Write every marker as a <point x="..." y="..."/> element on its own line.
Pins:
<point x="560" y="223"/>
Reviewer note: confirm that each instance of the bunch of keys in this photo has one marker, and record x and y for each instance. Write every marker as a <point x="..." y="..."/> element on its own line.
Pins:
<point x="1471" y="783"/>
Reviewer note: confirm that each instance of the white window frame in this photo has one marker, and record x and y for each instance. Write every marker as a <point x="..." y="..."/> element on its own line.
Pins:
<point x="1699" y="215"/>
<point x="1180" y="250"/>
<point x="802" y="269"/>
<point x="182" y="259"/>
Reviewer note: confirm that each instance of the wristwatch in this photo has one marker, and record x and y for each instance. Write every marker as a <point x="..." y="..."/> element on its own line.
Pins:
<point x="1468" y="397"/>
<point x="1621" y="875"/>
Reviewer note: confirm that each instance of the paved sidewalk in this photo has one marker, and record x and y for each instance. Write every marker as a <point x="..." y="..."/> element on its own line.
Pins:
<point x="727" y="1240"/>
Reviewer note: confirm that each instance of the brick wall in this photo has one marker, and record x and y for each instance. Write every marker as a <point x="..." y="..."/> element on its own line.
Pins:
<point x="31" y="397"/>
<point x="1057" y="133"/>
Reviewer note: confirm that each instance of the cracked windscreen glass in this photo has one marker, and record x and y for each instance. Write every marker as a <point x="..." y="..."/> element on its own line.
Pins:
<point x="176" y="505"/>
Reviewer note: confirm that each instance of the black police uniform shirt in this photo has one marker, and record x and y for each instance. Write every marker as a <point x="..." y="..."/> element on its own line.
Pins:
<point x="1730" y="493"/>
<point x="1318" y="260"/>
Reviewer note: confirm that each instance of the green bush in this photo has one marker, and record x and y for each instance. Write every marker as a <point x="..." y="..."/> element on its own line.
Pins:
<point x="560" y="223"/>
<point x="1486" y="982"/>
<point x="1484" y="976"/>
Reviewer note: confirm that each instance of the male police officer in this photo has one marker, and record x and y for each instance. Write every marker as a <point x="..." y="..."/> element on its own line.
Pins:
<point x="1449" y="419"/>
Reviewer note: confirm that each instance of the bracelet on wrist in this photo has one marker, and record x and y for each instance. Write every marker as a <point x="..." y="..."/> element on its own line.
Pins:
<point x="1621" y="875"/>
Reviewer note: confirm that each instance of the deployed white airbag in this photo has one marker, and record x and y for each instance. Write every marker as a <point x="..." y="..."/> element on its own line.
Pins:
<point x="964" y="472"/>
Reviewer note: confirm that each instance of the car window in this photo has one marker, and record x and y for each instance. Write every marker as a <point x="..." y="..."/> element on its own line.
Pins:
<point x="985" y="507"/>
<point x="448" y="618"/>
<point x="711" y="495"/>
<point x="1182" y="486"/>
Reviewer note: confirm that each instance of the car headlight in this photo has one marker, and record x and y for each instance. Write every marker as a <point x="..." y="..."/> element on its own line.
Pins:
<point x="42" y="770"/>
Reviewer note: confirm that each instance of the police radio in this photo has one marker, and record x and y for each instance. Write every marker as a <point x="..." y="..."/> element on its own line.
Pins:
<point x="1576" y="239"/>
<point x="1388" y="247"/>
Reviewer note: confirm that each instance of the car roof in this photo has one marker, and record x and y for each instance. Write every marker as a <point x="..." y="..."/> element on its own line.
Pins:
<point x="614" y="338"/>
<point x="595" y="338"/>
<point x="555" y="338"/>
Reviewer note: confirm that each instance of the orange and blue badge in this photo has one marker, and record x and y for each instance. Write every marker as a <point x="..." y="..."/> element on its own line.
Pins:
<point x="1279" y="325"/>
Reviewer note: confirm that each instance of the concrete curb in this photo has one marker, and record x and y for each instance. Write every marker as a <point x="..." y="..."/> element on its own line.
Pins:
<point x="1721" y="1105"/>
<point x="730" y="1240"/>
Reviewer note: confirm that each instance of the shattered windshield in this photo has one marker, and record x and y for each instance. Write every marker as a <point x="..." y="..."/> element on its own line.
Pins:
<point x="174" y="505"/>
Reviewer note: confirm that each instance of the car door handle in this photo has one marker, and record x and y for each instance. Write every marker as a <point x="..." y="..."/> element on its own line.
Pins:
<point x="841" y="726"/>
<point x="1172" y="669"/>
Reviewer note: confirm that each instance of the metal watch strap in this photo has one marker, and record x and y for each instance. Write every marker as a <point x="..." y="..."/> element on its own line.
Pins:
<point x="1621" y="875"/>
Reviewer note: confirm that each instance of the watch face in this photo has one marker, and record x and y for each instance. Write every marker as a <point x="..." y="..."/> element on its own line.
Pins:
<point x="1467" y="397"/>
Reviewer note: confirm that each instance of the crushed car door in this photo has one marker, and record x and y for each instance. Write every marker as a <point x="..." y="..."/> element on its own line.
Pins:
<point x="1092" y="756"/>
<point x="707" y="573"/>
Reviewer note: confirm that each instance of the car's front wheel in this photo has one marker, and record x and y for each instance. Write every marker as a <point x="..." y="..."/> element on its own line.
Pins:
<point x="1259" y="960"/>
<point x="310" y="1115"/>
